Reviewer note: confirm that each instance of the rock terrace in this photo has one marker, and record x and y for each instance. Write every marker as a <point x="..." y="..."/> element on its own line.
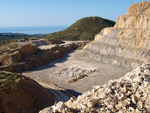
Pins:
<point x="127" y="43"/>
<point x="30" y="56"/>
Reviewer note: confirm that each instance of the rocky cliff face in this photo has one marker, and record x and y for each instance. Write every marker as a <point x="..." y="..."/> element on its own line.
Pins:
<point x="19" y="94"/>
<point x="127" y="43"/>
<point x="30" y="56"/>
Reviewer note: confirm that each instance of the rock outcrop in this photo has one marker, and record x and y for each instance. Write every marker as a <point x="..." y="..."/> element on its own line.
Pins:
<point x="128" y="94"/>
<point x="28" y="50"/>
<point x="15" y="60"/>
<point x="39" y="42"/>
<point x="127" y="43"/>
<point x="30" y="56"/>
<point x="54" y="41"/>
<point x="18" y="55"/>
<point x="19" y="94"/>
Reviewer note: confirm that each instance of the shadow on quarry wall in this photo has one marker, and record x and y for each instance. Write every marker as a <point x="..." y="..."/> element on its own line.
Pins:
<point x="52" y="64"/>
<point x="23" y="60"/>
<point x="59" y="95"/>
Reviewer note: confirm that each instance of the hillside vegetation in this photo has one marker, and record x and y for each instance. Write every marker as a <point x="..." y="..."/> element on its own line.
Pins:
<point x="83" y="29"/>
<point x="6" y="38"/>
<point x="7" y="80"/>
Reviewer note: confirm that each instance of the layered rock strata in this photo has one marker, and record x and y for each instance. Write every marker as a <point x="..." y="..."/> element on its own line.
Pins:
<point x="29" y="56"/>
<point x="128" y="42"/>
<point x="128" y="94"/>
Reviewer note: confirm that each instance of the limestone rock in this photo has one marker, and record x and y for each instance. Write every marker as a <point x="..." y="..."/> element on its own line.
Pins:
<point x="124" y="103"/>
<point x="58" y="107"/>
<point x="139" y="8"/>
<point x="28" y="49"/>
<point x="8" y="59"/>
<point x="134" y="99"/>
<point x="111" y="97"/>
<point x="30" y="56"/>
<point x="127" y="43"/>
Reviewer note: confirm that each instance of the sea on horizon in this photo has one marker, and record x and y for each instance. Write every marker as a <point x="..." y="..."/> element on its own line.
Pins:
<point x="32" y="30"/>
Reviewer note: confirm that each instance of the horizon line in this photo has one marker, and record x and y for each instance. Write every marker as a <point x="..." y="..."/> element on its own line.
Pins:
<point x="35" y="26"/>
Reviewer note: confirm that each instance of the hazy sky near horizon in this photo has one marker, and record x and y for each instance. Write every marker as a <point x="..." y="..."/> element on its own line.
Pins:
<point x="58" y="12"/>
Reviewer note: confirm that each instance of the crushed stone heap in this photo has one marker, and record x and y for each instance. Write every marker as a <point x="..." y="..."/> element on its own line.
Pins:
<point x="127" y="43"/>
<point x="128" y="94"/>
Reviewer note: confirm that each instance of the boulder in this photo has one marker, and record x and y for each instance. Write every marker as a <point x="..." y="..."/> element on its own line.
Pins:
<point x="8" y="59"/>
<point x="28" y="49"/>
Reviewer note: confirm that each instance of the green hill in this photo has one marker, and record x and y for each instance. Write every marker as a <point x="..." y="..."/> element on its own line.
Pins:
<point x="83" y="29"/>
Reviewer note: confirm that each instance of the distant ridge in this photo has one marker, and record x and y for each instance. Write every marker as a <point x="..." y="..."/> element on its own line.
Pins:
<point x="6" y="38"/>
<point x="84" y="29"/>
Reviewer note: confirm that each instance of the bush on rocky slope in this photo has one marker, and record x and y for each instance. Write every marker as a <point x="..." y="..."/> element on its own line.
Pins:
<point x="83" y="29"/>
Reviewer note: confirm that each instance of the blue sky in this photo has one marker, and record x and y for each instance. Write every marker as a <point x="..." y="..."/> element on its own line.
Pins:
<point x="58" y="12"/>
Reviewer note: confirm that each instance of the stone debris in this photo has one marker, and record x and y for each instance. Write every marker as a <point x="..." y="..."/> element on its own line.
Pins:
<point x="72" y="72"/>
<point x="75" y="78"/>
<point x="128" y="94"/>
<point x="75" y="73"/>
<point x="60" y="107"/>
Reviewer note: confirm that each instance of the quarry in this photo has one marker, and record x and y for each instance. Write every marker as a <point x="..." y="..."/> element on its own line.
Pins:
<point x="110" y="74"/>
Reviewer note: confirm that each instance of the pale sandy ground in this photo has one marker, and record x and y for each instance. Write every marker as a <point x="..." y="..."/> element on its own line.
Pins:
<point x="53" y="45"/>
<point x="75" y="59"/>
<point x="59" y="95"/>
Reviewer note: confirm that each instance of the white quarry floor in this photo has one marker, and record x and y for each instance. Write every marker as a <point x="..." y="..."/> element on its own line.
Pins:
<point x="105" y="72"/>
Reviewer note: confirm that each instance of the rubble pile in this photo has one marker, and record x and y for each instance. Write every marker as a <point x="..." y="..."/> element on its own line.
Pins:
<point x="74" y="71"/>
<point x="128" y="94"/>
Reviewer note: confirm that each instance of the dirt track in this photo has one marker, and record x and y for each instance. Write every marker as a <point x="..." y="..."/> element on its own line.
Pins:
<point x="75" y="59"/>
<point x="59" y="95"/>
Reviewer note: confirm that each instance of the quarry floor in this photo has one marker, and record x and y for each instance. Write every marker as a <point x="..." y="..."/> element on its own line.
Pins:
<point x="105" y="72"/>
<point x="59" y="95"/>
